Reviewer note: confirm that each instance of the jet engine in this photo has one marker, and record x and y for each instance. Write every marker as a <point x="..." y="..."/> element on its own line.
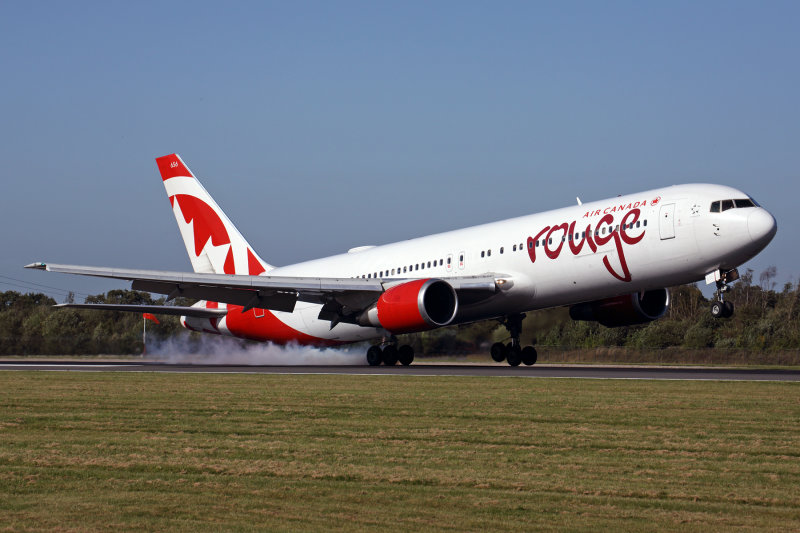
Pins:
<point x="625" y="310"/>
<point x="413" y="306"/>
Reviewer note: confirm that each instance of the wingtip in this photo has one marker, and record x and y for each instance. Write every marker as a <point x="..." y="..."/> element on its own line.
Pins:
<point x="37" y="266"/>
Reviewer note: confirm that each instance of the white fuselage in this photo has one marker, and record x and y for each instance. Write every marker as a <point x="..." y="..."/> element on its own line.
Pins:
<point x="642" y="241"/>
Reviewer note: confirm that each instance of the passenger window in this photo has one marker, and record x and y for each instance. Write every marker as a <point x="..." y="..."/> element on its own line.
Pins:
<point x="416" y="267"/>
<point x="501" y="249"/>
<point x="644" y="223"/>
<point x="514" y="248"/>
<point x="429" y="264"/>
<point x="489" y="253"/>
<point x="392" y="272"/>
<point x="441" y="262"/>
<point x="404" y="269"/>
<point x="715" y="207"/>
<point x="638" y="224"/>
<point x="483" y="254"/>
<point x="727" y="204"/>
<point x="530" y="244"/>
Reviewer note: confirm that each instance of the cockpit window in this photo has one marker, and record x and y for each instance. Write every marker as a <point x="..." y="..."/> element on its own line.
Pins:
<point x="723" y="205"/>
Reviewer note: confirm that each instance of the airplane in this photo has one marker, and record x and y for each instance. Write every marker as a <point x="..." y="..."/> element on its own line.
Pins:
<point x="610" y="261"/>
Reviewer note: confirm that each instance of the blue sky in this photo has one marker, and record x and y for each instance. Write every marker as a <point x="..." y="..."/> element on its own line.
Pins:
<point x="320" y="126"/>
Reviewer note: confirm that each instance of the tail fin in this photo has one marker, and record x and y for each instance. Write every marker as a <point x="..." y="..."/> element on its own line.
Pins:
<point x="212" y="241"/>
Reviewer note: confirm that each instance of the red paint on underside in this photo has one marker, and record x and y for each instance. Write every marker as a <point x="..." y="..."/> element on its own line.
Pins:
<point x="398" y="308"/>
<point x="171" y="166"/>
<point x="207" y="224"/>
<point x="268" y="328"/>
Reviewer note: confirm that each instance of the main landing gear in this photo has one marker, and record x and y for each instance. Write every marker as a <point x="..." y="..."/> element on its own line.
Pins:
<point x="720" y="308"/>
<point x="513" y="352"/>
<point x="390" y="354"/>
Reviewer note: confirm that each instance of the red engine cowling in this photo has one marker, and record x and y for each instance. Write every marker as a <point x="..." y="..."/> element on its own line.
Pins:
<point x="625" y="310"/>
<point x="413" y="306"/>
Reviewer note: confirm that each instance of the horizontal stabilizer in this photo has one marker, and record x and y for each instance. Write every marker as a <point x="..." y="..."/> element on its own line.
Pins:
<point x="199" y="312"/>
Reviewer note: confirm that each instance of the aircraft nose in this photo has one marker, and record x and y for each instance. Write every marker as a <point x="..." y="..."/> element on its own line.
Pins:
<point x="762" y="226"/>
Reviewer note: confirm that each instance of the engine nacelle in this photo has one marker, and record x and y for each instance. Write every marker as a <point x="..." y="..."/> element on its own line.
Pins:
<point x="625" y="310"/>
<point x="413" y="306"/>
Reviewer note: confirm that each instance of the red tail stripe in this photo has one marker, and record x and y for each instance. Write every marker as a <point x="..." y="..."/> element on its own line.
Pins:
<point x="171" y="166"/>
<point x="254" y="266"/>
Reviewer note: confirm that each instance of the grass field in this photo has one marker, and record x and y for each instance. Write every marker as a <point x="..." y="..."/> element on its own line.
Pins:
<point x="108" y="451"/>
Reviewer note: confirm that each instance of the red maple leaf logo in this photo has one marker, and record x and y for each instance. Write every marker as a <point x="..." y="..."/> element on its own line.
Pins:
<point x="655" y="200"/>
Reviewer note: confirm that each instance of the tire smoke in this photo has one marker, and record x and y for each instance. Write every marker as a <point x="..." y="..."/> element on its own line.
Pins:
<point x="213" y="350"/>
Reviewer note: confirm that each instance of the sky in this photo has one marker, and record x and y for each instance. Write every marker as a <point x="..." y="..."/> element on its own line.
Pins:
<point x="321" y="126"/>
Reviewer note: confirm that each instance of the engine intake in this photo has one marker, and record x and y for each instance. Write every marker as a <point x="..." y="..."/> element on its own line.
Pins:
<point x="417" y="305"/>
<point x="625" y="310"/>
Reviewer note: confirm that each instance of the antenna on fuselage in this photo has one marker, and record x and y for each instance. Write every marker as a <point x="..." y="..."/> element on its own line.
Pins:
<point x="579" y="200"/>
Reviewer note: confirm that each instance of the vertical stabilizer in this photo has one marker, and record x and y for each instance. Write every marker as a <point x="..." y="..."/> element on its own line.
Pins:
<point x="212" y="241"/>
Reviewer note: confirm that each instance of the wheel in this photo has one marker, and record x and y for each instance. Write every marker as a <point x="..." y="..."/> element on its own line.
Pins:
<point x="717" y="309"/>
<point x="498" y="352"/>
<point x="727" y="309"/>
<point x="529" y="355"/>
<point x="405" y="355"/>
<point x="390" y="355"/>
<point x="514" y="355"/>
<point x="374" y="355"/>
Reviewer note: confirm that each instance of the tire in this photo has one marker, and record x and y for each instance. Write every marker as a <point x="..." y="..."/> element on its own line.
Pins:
<point x="529" y="355"/>
<point x="717" y="309"/>
<point x="514" y="356"/>
<point x="405" y="355"/>
<point x="727" y="309"/>
<point x="374" y="356"/>
<point x="498" y="352"/>
<point x="390" y="355"/>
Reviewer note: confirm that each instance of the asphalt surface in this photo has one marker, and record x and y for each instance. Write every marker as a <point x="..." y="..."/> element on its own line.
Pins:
<point x="425" y="369"/>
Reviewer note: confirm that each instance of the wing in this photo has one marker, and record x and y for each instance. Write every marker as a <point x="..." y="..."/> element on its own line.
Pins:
<point x="340" y="297"/>
<point x="199" y="312"/>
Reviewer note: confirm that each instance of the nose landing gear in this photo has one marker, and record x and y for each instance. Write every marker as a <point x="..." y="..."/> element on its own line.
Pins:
<point x="512" y="352"/>
<point x="720" y="308"/>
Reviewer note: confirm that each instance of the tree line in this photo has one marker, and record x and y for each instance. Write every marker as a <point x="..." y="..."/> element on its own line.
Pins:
<point x="766" y="319"/>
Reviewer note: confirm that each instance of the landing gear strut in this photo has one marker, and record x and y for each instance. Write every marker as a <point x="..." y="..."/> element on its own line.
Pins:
<point x="513" y="352"/>
<point x="390" y="354"/>
<point x="719" y="307"/>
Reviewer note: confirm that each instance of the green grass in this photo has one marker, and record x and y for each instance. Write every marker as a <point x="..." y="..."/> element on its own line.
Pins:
<point x="108" y="451"/>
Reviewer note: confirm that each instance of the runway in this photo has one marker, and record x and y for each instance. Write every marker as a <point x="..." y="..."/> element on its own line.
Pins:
<point x="424" y="369"/>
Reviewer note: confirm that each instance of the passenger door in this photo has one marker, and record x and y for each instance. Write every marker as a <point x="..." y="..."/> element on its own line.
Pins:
<point x="666" y="221"/>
